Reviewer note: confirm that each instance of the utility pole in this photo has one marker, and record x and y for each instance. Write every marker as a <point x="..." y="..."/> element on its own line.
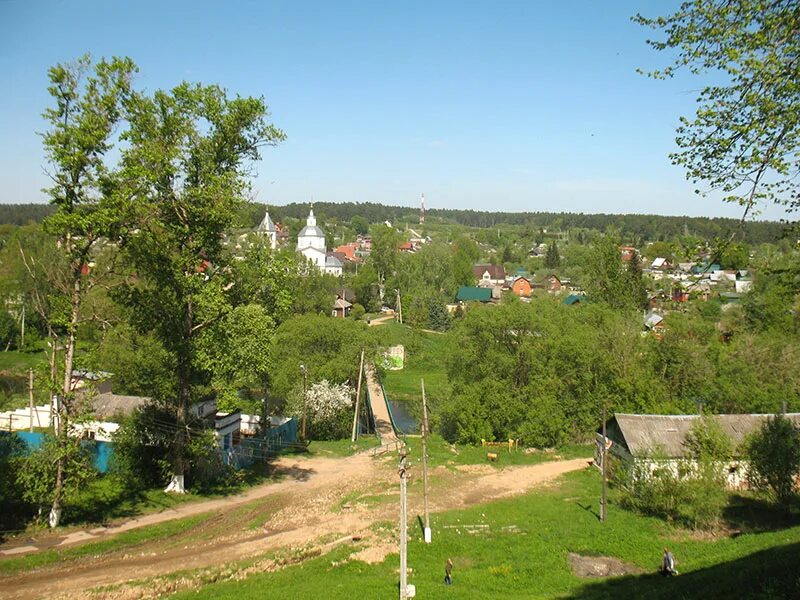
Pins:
<point x="427" y="531"/>
<point x="22" y="330"/>
<point x="30" y="399"/>
<point x="403" y="471"/>
<point x="354" y="435"/>
<point x="305" y="403"/>
<point x="603" y="466"/>
<point x="399" y="307"/>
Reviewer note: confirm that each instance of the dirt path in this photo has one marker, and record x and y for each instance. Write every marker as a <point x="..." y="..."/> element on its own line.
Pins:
<point x="381" y="320"/>
<point x="313" y="509"/>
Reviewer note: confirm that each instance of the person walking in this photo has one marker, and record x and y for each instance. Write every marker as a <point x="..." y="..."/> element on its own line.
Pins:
<point x="448" y="572"/>
<point x="668" y="564"/>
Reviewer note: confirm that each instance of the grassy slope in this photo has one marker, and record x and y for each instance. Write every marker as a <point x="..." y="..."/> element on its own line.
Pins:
<point x="425" y="359"/>
<point x="523" y="554"/>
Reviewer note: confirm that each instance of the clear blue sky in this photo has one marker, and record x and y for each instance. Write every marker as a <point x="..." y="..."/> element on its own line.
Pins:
<point x="485" y="105"/>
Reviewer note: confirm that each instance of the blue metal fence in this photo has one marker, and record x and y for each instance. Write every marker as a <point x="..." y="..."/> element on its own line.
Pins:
<point x="101" y="451"/>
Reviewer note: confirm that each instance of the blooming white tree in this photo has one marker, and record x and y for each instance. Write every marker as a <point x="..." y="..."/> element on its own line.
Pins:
<point x="328" y="408"/>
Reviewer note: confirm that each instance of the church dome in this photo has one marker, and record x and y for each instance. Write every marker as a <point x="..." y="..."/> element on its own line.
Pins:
<point x="311" y="231"/>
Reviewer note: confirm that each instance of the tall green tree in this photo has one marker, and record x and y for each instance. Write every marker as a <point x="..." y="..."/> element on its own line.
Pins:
<point x="88" y="106"/>
<point x="609" y="280"/>
<point x="185" y="169"/>
<point x="774" y="453"/>
<point x="552" y="259"/>
<point x="745" y="135"/>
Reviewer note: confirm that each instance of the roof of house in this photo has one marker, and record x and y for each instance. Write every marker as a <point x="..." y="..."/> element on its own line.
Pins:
<point x="573" y="299"/>
<point x="340" y="304"/>
<point x="332" y="261"/>
<point x="495" y="271"/>
<point x="667" y="433"/>
<point x="470" y="294"/>
<point x="516" y="279"/>
<point x="108" y="405"/>
<point x="652" y="319"/>
<point x="348" y="250"/>
<point x="659" y="262"/>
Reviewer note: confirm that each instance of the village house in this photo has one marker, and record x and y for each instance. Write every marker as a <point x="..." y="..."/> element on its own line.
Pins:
<point x="521" y="287"/>
<point x="341" y="307"/>
<point x="473" y="294"/>
<point x="661" y="264"/>
<point x="627" y="253"/>
<point x="489" y="275"/>
<point x="654" y="323"/>
<point x="552" y="283"/>
<point x="660" y="440"/>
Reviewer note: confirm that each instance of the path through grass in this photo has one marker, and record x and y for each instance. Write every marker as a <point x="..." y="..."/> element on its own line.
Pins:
<point x="518" y="548"/>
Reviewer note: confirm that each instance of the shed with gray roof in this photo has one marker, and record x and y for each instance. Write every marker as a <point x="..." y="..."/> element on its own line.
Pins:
<point x="637" y="435"/>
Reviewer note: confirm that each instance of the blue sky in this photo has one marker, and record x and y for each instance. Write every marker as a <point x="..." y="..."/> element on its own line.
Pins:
<point x="484" y="105"/>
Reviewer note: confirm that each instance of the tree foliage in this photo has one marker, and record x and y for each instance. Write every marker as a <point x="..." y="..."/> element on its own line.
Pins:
<point x="184" y="172"/>
<point x="552" y="260"/>
<point x="88" y="105"/>
<point x="328" y="348"/>
<point x="774" y="454"/>
<point x="540" y="372"/>
<point x="329" y="410"/>
<point x="608" y="280"/>
<point x="744" y="137"/>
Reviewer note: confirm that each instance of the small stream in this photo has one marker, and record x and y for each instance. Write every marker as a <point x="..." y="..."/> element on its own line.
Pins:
<point x="403" y="419"/>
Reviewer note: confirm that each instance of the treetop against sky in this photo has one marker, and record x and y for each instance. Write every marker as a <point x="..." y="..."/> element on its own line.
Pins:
<point x="492" y="106"/>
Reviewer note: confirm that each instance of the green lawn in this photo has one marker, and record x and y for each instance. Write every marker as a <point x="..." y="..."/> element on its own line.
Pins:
<point x="442" y="453"/>
<point x="339" y="448"/>
<point x="18" y="363"/>
<point x="518" y="548"/>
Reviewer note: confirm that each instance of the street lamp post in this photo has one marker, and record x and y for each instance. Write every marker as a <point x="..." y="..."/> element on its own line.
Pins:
<point x="305" y="403"/>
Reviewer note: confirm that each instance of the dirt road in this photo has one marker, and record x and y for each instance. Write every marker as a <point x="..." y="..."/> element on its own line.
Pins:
<point x="314" y="508"/>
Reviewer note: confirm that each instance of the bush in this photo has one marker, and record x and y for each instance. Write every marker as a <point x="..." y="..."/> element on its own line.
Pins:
<point x="142" y="445"/>
<point x="357" y="312"/>
<point x="13" y="510"/>
<point x="774" y="454"/>
<point x="707" y="441"/>
<point x="688" y="492"/>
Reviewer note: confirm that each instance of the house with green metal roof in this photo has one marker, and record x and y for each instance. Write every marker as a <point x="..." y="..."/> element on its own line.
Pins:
<point x="473" y="294"/>
<point x="573" y="299"/>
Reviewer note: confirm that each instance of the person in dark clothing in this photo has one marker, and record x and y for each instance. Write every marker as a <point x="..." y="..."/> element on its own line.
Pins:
<point x="448" y="572"/>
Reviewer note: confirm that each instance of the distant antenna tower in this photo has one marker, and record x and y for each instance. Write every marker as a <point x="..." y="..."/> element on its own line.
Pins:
<point x="422" y="210"/>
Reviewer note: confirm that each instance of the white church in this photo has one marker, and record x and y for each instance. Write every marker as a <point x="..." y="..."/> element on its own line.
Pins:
<point x="267" y="228"/>
<point x="311" y="244"/>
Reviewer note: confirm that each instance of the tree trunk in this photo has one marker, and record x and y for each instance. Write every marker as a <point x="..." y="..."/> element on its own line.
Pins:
<point x="177" y="484"/>
<point x="63" y="403"/>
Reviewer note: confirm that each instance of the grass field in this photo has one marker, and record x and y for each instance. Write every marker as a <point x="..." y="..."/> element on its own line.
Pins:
<point x="518" y="548"/>
<point x="425" y="359"/>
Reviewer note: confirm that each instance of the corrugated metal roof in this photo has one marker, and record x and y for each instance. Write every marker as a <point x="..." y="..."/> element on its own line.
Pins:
<point x="667" y="433"/>
<point x="108" y="405"/>
<point x="468" y="294"/>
